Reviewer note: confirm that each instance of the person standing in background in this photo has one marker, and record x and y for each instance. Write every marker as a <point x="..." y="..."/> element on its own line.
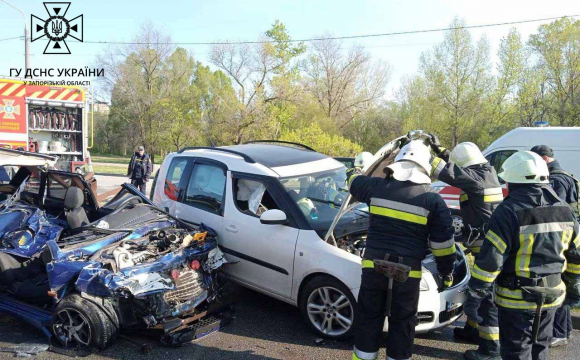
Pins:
<point x="140" y="169"/>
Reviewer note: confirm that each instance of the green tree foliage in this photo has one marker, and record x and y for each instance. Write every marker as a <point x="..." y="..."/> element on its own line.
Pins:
<point x="558" y="46"/>
<point x="331" y="96"/>
<point x="332" y="145"/>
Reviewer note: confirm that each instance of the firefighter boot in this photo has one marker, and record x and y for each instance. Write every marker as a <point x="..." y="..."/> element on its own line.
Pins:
<point x="477" y="355"/>
<point x="468" y="333"/>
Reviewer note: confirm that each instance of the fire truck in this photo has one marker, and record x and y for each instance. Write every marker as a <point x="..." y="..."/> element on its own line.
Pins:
<point x="45" y="119"/>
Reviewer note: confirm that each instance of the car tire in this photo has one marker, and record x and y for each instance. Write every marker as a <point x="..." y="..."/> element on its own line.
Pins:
<point x="7" y="263"/>
<point x="80" y="324"/>
<point x="457" y="224"/>
<point x="325" y="299"/>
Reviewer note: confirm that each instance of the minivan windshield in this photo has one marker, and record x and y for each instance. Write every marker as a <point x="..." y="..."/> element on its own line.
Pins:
<point x="320" y="196"/>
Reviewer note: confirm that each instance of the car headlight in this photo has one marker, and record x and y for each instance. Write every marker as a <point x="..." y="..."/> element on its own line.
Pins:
<point x="424" y="286"/>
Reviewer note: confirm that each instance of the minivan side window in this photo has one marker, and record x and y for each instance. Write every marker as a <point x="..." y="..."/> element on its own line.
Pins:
<point x="206" y="188"/>
<point x="252" y="197"/>
<point x="174" y="174"/>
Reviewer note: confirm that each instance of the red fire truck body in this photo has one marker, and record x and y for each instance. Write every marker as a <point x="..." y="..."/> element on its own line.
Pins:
<point x="46" y="119"/>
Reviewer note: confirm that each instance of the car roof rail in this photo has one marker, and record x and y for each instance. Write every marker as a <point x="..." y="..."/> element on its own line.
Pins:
<point x="246" y="158"/>
<point x="280" y="142"/>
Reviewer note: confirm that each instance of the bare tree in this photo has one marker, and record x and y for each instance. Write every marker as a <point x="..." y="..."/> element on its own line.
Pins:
<point x="345" y="82"/>
<point x="252" y="69"/>
<point x="134" y="77"/>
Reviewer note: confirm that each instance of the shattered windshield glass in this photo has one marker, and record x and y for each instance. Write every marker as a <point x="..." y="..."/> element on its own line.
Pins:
<point x="320" y="196"/>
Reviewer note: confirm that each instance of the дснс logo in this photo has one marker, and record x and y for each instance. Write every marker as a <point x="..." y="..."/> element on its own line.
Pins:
<point x="56" y="28"/>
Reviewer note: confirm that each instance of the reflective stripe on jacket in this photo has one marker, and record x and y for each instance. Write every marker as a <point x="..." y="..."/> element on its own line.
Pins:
<point x="406" y="219"/>
<point x="532" y="234"/>
<point x="481" y="192"/>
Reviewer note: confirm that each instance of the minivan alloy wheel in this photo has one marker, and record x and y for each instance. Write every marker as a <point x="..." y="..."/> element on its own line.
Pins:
<point x="330" y="311"/>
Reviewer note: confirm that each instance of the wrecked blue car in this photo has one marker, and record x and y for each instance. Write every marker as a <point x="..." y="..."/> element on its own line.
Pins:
<point x="83" y="273"/>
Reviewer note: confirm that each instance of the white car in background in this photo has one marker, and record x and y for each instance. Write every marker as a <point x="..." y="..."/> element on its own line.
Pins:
<point x="271" y="206"/>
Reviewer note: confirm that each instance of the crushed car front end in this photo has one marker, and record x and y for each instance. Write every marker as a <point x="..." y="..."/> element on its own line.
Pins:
<point x="136" y="268"/>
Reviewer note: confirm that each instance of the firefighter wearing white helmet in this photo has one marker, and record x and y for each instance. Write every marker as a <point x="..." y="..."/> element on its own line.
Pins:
<point x="467" y="169"/>
<point x="532" y="239"/>
<point x="363" y="160"/>
<point x="406" y="220"/>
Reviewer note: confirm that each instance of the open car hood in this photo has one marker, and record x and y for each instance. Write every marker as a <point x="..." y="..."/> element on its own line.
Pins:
<point x="382" y="158"/>
<point x="25" y="158"/>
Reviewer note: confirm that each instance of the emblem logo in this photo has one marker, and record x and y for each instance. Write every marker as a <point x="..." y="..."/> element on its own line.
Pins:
<point x="9" y="109"/>
<point x="57" y="27"/>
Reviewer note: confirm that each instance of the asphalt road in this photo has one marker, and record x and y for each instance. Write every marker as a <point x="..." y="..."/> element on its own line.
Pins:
<point x="110" y="182"/>
<point x="264" y="328"/>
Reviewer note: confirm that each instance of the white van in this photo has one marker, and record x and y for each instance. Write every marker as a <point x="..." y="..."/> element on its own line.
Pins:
<point x="564" y="141"/>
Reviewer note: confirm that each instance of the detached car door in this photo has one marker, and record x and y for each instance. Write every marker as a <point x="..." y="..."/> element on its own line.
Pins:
<point x="265" y="252"/>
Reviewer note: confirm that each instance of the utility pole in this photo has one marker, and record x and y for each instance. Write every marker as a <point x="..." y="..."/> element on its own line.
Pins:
<point x="26" y="37"/>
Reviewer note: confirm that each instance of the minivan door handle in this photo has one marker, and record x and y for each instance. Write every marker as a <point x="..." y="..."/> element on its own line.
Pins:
<point x="232" y="228"/>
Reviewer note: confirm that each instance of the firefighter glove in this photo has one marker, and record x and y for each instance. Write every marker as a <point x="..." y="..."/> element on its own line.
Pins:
<point x="434" y="140"/>
<point x="351" y="174"/>
<point x="446" y="282"/>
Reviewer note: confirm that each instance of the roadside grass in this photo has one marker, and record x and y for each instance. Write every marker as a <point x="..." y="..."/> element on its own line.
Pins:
<point x="117" y="159"/>
<point x="111" y="159"/>
<point x="112" y="170"/>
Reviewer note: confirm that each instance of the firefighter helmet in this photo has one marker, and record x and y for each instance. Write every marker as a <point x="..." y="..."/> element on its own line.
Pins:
<point x="412" y="163"/>
<point x="525" y="167"/>
<point x="467" y="154"/>
<point x="363" y="160"/>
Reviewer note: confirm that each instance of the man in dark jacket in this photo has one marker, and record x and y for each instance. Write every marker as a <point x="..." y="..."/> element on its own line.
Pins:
<point x="565" y="186"/>
<point x="140" y="169"/>
<point x="532" y="253"/>
<point x="406" y="220"/>
<point x="466" y="168"/>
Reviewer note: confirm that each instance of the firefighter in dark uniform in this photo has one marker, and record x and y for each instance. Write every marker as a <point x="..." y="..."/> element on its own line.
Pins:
<point x="566" y="186"/>
<point x="406" y="220"/>
<point x="140" y="169"/>
<point x="467" y="169"/>
<point x="532" y="239"/>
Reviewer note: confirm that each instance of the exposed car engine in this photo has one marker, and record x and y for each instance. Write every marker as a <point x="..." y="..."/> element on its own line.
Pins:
<point x="129" y="253"/>
<point x="353" y="244"/>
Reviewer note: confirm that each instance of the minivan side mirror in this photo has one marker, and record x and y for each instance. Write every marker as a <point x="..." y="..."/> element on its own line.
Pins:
<point x="273" y="217"/>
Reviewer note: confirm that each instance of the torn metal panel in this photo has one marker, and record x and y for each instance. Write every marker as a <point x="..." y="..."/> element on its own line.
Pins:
<point x="25" y="229"/>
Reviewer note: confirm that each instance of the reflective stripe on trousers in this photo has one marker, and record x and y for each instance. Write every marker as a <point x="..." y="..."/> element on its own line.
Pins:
<point x="489" y="332"/>
<point x="369" y="264"/>
<point x="371" y="315"/>
<point x="513" y="299"/>
<point x="488" y="329"/>
<point x="361" y="355"/>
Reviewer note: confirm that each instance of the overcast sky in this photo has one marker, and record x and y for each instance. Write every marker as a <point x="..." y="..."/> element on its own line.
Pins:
<point x="200" y="21"/>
